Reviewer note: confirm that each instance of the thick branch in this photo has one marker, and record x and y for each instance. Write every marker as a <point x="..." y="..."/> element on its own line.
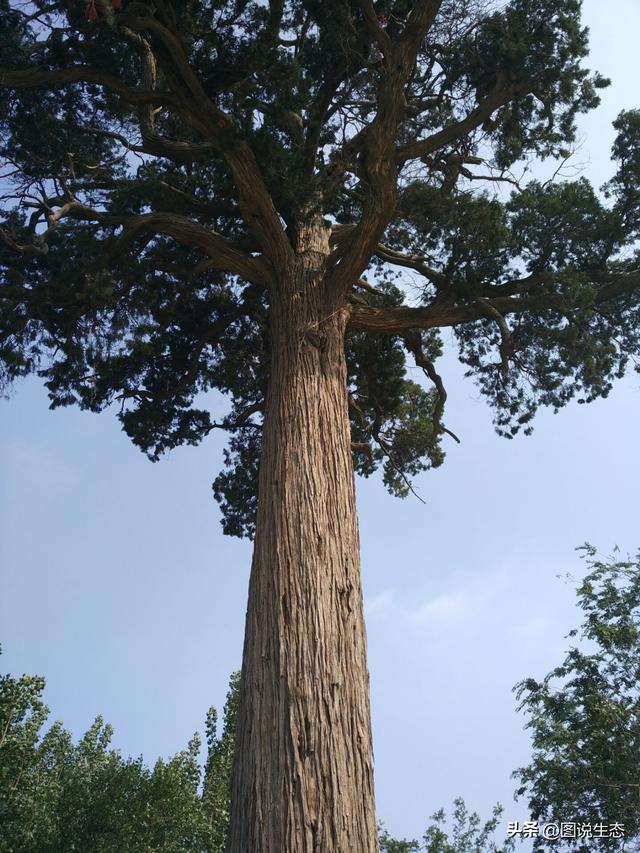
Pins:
<point x="178" y="150"/>
<point x="224" y="255"/>
<point x="374" y="29"/>
<point x="419" y="22"/>
<point x="377" y="144"/>
<point x="500" y="96"/>
<point x="31" y="78"/>
<point x="375" y="319"/>
<point x="413" y="343"/>
<point x="414" y="262"/>
<point x="256" y="204"/>
<point x="507" y="348"/>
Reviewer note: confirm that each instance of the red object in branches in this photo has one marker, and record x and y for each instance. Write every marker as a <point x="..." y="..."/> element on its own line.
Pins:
<point x="91" y="11"/>
<point x="382" y="20"/>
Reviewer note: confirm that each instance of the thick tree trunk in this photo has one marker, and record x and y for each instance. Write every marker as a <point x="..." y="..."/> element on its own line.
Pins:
<point x="303" y="778"/>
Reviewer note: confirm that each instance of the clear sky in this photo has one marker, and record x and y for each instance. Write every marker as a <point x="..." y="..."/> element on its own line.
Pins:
<point x="118" y="585"/>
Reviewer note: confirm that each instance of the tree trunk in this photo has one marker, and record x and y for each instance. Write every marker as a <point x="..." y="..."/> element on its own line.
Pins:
<point x="303" y="776"/>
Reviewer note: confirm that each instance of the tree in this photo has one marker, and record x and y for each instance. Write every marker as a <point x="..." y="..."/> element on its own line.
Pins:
<point x="56" y="795"/>
<point x="584" y="716"/>
<point x="216" y="793"/>
<point x="200" y="196"/>
<point x="468" y="834"/>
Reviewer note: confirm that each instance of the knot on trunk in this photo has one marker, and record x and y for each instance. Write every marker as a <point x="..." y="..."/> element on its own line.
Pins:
<point x="316" y="338"/>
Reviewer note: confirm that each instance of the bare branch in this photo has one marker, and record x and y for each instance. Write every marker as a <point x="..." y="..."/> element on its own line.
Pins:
<point x="364" y="285"/>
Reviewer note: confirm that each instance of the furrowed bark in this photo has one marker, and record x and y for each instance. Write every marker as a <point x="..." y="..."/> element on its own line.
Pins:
<point x="303" y="779"/>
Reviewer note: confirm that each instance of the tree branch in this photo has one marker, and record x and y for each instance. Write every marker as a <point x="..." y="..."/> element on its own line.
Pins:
<point x="413" y="343"/>
<point x="224" y="256"/>
<point x="500" y="96"/>
<point x="366" y="318"/>
<point x="242" y="421"/>
<point x="377" y="145"/>
<point x="39" y="248"/>
<point x="256" y="204"/>
<point x="507" y="347"/>
<point x="31" y="78"/>
<point x="414" y="262"/>
<point x="379" y="36"/>
<point x="210" y="338"/>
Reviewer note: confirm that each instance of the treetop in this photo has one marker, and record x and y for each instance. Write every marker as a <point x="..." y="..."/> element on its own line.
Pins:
<point x="164" y="164"/>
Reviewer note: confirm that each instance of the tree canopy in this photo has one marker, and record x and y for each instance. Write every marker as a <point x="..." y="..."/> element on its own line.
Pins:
<point x="584" y="716"/>
<point x="467" y="834"/>
<point x="163" y="161"/>
<point x="57" y="795"/>
<point x="284" y="201"/>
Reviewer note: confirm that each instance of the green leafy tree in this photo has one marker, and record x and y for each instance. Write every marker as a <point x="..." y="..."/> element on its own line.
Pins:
<point x="221" y="194"/>
<point x="216" y="794"/>
<point x="468" y="834"/>
<point x="584" y="716"/>
<point x="57" y="796"/>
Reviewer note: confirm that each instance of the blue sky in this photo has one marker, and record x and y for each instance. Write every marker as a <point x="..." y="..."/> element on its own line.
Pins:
<point x="119" y="587"/>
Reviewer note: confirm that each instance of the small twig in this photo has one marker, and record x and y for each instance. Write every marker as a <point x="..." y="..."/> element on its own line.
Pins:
<point x="386" y="448"/>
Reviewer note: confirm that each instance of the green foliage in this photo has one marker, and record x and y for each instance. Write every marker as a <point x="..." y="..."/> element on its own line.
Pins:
<point x="392" y="421"/>
<point x="583" y="716"/>
<point x="532" y="39"/>
<point x="216" y="793"/>
<point x="57" y="796"/>
<point x="113" y="307"/>
<point x="563" y="235"/>
<point x="468" y="834"/>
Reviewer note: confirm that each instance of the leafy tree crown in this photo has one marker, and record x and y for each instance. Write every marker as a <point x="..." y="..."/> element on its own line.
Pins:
<point x="584" y="716"/>
<point x="163" y="164"/>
